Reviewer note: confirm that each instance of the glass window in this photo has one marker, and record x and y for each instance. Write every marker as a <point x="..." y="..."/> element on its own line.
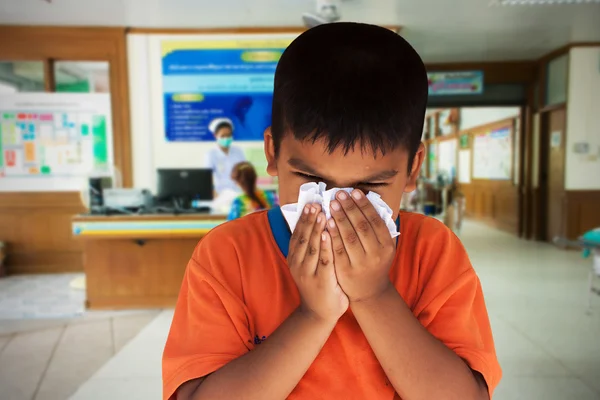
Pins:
<point x="81" y="76"/>
<point x="21" y="76"/>
<point x="556" y="82"/>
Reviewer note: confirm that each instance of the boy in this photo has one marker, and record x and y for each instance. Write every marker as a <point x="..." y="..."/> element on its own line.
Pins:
<point x="339" y="309"/>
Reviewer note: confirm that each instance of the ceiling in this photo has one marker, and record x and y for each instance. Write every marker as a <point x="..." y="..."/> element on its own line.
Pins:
<point x="441" y="30"/>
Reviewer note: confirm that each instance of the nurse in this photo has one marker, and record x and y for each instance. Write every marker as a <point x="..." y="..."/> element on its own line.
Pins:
<point x="222" y="158"/>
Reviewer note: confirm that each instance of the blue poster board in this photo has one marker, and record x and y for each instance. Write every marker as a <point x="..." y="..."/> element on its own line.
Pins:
<point x="204" y="80"/>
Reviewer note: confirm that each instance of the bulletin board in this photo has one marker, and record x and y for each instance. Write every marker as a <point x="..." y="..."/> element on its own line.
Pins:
<point x="493" y="155"/>
<point x="53" y="135"/>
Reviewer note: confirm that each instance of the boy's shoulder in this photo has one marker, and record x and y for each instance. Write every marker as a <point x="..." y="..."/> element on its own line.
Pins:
<point x="237" y="233"/>
<point x="415" y="224"/>
<point x="428" y="240"/>
<point x="239" y="228"/>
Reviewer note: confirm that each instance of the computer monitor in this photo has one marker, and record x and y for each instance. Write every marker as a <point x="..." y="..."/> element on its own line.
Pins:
<point x="181" y="186"/>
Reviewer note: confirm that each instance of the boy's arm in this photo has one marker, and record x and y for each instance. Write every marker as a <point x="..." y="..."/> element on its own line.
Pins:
<point x="418" y="365"/>
<point x="274" y="368"/>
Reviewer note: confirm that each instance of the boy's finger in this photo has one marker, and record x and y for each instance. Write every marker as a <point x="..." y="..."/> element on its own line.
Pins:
<point x="325" y="265"/>
<point x="348" y="234"/>
<point x="312" y="255"/>
<point x="340" y="255"/>
<point x="299" y="239"/>
<point x="353" y="206"/>
<point x="372" y="216"/>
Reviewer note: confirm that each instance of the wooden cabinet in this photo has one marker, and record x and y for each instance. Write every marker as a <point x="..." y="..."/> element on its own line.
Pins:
<point x="138" y="261"/>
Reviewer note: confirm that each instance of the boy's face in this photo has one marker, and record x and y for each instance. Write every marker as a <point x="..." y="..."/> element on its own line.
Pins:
<point x="299" y="162"/>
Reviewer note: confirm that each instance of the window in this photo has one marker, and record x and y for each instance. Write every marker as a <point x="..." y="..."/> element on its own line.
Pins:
<point x="81" y="77"/>
<point x="21" y="76"/>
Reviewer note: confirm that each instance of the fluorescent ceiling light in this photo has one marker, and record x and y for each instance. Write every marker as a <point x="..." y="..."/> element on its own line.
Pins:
<point x="540" y="2"/>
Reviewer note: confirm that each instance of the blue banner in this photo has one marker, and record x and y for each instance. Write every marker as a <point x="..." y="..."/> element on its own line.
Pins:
<point x="215" y="79"/>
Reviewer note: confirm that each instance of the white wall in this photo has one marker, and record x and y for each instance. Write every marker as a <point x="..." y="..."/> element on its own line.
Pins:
<point x="142" y="135"/>
<point x="150" y="148"/>
<point x="472" y="117"/>
<point x="583" y="119"/>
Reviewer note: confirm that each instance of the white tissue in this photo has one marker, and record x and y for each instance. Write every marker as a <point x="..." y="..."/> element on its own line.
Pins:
<point x="313" y="193"/>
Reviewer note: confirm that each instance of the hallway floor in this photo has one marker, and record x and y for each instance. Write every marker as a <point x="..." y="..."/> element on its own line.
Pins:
<point x="547" y="342"/>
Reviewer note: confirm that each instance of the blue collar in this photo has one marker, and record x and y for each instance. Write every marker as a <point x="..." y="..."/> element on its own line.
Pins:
<point x="281" y="230"/>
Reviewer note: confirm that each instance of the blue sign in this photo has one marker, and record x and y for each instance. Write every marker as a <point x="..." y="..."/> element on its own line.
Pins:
<point x="218" y="79"/>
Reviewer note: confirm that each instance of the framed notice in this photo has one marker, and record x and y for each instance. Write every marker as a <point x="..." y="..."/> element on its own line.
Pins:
<point x="492" y="155"/>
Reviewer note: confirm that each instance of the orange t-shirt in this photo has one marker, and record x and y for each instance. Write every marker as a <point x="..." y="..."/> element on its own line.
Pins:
<point x="238" y="289"/>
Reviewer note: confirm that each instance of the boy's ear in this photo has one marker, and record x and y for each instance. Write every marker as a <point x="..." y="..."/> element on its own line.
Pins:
<point x="270" y="153"/>
<point x="411" y="183"/>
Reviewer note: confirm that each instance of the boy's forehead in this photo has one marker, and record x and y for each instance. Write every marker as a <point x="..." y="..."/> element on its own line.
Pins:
<point x="359" y="157"/>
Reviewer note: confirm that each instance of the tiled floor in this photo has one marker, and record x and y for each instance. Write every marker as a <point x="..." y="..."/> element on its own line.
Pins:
<point x="40" y="297"/>
<point x="50" y="359"/>
<point x="548" y="345"/>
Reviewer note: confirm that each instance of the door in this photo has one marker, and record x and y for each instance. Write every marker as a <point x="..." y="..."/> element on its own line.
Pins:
<point x="555" y="143"/>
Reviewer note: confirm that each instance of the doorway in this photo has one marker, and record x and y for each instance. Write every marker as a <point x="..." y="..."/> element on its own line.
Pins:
<point x="551" y="215"/>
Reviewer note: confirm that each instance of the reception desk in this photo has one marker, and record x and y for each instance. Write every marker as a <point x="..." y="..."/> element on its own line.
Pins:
<point x="138" y="261"/>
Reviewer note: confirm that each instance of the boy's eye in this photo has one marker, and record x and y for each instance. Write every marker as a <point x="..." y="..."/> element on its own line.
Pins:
<point x="308" y="177"/>
<point x="372" y="184"/>
<point x="363" y="185"/>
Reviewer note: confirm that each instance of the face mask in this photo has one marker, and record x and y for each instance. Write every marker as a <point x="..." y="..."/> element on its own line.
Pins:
<point x="225" y="142"/>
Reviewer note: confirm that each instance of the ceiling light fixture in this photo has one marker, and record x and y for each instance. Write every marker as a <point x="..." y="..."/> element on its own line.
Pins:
<point x="541" y="2"/>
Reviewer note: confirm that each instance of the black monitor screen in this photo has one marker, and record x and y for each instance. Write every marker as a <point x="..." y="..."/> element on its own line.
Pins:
<point x="185" y="184"/>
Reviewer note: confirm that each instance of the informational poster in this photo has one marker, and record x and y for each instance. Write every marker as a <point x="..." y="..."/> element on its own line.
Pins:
<point x="464" y="166"/>
<point x="455" y="83"/>
<point x="220" y="78"/>
<point x="492" y="155"/>
<point x="54" y="135"/>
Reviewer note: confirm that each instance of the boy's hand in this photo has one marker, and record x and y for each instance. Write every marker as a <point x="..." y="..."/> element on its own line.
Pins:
<point x="310" y="259"/>
<point x="362" y="245"/>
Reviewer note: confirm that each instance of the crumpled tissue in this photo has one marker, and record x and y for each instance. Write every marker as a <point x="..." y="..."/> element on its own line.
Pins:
<point x="313" y="193"/>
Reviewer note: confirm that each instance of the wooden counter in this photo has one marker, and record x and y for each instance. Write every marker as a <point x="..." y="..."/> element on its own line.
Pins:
<point x="138" y="261"/>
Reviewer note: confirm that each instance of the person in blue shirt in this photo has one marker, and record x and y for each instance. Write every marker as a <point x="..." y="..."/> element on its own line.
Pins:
<point x="222" y="158"/>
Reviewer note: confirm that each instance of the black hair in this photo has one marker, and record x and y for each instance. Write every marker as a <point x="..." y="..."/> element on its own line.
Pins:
<point x="351" y="83"/>
<point x="222" y="125"/>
